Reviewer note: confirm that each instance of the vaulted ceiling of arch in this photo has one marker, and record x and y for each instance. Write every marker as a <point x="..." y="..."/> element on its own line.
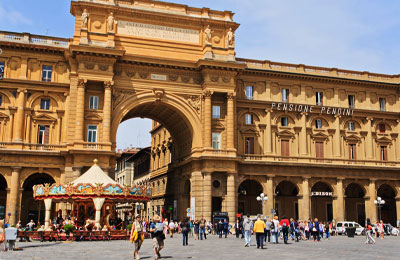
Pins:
<point x="171" y="119"/>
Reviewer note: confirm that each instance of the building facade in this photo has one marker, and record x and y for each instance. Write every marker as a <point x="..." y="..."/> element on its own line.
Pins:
<point x="319" y="142"/>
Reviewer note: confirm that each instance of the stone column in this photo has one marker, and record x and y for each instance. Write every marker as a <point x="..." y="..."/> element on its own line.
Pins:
<point x="231" y="197"/>
<point x="268" y="133"/>
<point x="10" y="128"/>
<point x="336" y="138"/>
<point x="14" y="195"/>
<point x="197" y="192"/>
<point x="230" y="136"/>
<point x="98" y="204"/>
<point x="398" y="206"/>
<point x="47" y="204"/>
<point x="339" y="201"/>
<point x="303" y="134"/>
<point x="80" y="111"/>
<point x="304" y="210"/>
<point x="270" y="204"/>
<point x="19" y="118"/>
<point x="207" y="195"/>
<point x="107" y="111"/>
<point x="369" y="149"/>
<point x="65" y="130"/>
<point x="370" y="205"/>
<point x="27" y="138"/>
<point x="207" y="119"/>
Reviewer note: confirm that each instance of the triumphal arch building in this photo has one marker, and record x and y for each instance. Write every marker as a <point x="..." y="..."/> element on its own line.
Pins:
<point x="319" y="142"/>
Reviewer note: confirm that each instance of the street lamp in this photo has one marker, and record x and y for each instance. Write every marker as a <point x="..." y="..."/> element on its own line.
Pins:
<point x="261" y="199"/>
<point x="379" y="202"/>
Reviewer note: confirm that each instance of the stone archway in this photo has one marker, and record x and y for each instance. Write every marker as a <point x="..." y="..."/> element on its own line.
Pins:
<point x="355" y="203"/>
<point x="175" y="113"/>
<point x="247" y="199"/>
<point x="31" y="208"/>
<point x="286" y="201"/>
<point x="3" y="197"/>
<point x="388" y="211"/>
<point x="321" y="202"/>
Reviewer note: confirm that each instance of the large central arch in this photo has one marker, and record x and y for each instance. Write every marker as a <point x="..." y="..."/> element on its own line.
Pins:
<point x="175" y="113"/>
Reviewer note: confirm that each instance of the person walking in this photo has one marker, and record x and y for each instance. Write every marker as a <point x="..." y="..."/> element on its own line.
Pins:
<point x="315" y="230"/>
<point x="370" y="239"/>
<point x="275" y="230"/>
<point x="2" y="236"/>
<point x="202" y="228"/>
<point x="381" y="229"/>
<point x="267" y="231"/>
<point x="247" y="227"/>
<point x="220" y="228"/>
<point x="259" y="229"/>
<point x="226" y="228"/>
<point x="137" y="235"/>
<point x="171" y="227"/>
<point x="237" y="228"/>
<point x="285" y="228"/>
<point x="157" y="235"/>
<point x="185" y="227"/>
<point x="196" y="229"/>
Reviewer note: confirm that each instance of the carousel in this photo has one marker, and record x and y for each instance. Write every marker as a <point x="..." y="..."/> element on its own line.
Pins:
<point x="93" y="194"/>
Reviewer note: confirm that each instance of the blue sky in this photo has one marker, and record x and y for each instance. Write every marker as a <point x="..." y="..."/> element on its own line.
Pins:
<point x="350" y="34"/>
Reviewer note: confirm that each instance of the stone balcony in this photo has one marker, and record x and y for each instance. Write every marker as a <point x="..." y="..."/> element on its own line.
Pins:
<point x="28" y="38"/>
<point x="313" y="161"/>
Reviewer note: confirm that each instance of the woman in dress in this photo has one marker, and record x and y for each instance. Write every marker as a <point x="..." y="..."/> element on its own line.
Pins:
<point x="196" y="229"/>
<point x="2" y="236"/>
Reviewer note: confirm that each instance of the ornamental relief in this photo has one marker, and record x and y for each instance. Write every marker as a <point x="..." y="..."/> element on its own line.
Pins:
<point x="120" y="96"/>
<point x="195" y="103"/>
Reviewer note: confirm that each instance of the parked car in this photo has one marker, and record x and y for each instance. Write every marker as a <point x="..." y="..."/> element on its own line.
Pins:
<point x="342" y="225"/>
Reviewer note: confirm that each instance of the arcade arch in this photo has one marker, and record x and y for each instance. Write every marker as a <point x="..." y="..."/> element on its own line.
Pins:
<point x="174" y="113"/>
<point x="321" y="202"/>
<point x="247" y="199"/>
<point x="355" y="203"/>
<point x="286" y="202"/>
<point x="388" y="210"/>
<point x="33" y="209"/>
<point x="3" y="196"/>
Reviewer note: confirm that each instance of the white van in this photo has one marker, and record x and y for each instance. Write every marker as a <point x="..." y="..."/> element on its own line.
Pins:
<point x="342" y="225"/>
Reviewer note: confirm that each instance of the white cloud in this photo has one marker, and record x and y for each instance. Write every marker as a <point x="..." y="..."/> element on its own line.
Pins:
<point x="13" y="17"/>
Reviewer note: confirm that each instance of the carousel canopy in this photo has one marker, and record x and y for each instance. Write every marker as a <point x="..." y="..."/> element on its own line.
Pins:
<point x="92" y="184"/>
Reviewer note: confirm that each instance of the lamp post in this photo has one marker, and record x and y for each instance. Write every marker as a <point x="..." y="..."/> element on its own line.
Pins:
<point x="379" y="202"/>
<point x="262" y="198"/>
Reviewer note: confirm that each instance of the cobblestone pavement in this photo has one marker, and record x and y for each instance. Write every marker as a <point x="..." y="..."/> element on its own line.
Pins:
<point x="212" y="248"/>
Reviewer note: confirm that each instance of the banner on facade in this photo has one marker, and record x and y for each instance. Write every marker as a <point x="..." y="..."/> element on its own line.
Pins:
<point x="322" y="193"/>
<point x="192" y="208"/>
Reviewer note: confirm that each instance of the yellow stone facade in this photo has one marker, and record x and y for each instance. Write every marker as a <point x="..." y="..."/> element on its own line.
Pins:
<point x="239" y="126"/>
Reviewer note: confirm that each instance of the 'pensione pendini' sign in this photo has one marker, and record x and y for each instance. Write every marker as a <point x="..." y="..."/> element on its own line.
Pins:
<point x="309" y="109"/>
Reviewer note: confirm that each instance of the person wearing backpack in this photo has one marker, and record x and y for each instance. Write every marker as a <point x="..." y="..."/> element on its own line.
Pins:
<point x="247" y="228"/>
<point x="185" y="227"/>
<point x="275" y="230"/>
<point x="268" y="230"/>
<point x="285" y="228"/>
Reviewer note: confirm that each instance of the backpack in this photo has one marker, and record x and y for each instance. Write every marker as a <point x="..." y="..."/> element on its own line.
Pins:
<point x="272" y="225"/>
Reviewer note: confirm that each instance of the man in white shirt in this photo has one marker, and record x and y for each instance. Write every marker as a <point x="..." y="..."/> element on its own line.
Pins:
<point x="171" y="228"/>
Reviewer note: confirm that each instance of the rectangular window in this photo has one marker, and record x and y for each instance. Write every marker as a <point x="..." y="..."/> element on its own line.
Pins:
<point x="382" y="128"/>
<point x="93" y="102"/>
<point x="351" y="126"/>
<point x="352" y="152"/>
<point x="285" y="95"/>
<point x="43" y="134"/>
<point x="46" y="73"/>
<point x="92" y="133"/>
<point x="249" y="92"/>
<point x="318" y="123"/>
<point x="216" y="141"/>
<point x="382" y="104"/>
<point x="249" y="149"/>
<point x="319" y="149"/>
<point x="285" y="147"/>
<point x="45" y="104"/>
<point x="284" y="121"/>
<point x="351" y="99"/>
<point x="318" y="98"/>
<point x="216" y="111"/>
<point x="1" y="69"/>
<point x="249" y="119"/>
<point x="383" y="153"/>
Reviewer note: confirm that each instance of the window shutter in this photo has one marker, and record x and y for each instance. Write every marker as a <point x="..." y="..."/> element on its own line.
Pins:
<point x="319" y="149"/>
<point x="46" y="134"/>
<point x="251" y="145"/>
<point x="285" y="147"/>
